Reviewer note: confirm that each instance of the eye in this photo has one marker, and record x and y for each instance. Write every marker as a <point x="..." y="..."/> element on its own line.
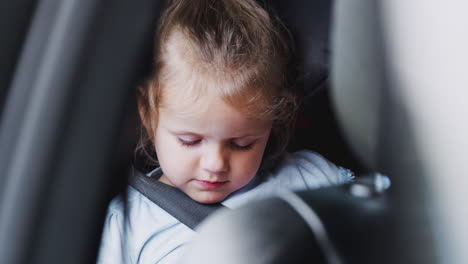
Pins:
<point x="242" y="147"/>
<point x="188" y="143"/>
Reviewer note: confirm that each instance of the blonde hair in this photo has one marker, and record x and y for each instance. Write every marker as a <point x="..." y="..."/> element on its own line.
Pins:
<point x="225" y="41"/>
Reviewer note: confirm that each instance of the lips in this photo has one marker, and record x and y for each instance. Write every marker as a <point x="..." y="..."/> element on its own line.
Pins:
<point x="211" y="185"/>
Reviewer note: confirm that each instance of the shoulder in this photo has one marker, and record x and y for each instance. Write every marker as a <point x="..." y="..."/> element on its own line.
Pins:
<point x="312" y="169"/>
<point x="112" y="233"/>
<point x="298" y="171"/>
<point x="116" y="234"/>
<point x="137" y="230"/>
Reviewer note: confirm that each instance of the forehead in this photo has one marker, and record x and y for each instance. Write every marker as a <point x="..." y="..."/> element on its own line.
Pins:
<point x="186" y="92"/>
<point x="210" y="116"/>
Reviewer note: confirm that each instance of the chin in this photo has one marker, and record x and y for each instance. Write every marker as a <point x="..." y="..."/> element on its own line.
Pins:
<point x="208" y="198"/>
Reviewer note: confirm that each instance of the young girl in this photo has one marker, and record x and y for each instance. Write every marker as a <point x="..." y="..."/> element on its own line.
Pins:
<point x="218" y="112"/>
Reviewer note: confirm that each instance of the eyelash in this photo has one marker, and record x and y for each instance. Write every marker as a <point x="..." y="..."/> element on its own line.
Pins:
<point x="232" y="145"/>
<point x="188" y="143"/>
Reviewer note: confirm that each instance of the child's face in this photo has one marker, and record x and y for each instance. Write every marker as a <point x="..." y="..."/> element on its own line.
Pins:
<point x="208" y="149"/>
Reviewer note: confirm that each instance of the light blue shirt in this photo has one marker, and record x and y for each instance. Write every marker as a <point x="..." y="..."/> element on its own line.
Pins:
<point x="148" y="234"/>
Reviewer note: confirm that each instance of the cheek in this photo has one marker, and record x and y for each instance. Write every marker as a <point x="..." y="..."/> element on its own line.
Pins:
<point x="171" y="155"/>
<point x="247" y="164"/>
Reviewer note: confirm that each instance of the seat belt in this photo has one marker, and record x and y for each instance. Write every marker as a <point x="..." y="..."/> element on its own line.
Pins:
<point x="172" y="200"/>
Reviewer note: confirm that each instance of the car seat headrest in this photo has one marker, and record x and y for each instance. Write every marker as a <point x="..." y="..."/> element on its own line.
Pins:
<point x="308" y="22"/>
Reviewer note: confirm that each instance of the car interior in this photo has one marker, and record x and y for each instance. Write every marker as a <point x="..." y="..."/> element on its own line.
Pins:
<point x="382" y="88"/>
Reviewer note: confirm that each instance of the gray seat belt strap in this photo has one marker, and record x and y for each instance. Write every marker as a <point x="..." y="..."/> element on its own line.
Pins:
<point x="172" y="200"/>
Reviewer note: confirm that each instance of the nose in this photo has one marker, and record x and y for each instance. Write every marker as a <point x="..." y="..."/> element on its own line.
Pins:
<point x="215" y="160"/>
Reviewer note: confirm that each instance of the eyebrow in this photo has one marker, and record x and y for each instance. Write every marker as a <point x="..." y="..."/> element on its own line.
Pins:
<point x="250" y="136"/>
<point x="186" y="133"/>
